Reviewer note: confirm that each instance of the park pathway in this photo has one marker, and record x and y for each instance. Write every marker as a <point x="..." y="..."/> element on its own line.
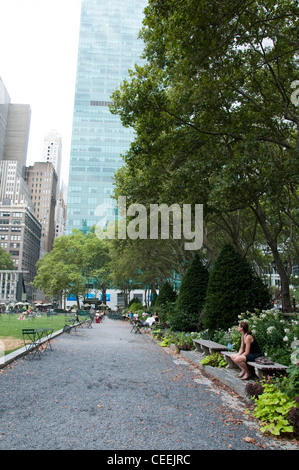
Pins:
<point x="107" y="388"/>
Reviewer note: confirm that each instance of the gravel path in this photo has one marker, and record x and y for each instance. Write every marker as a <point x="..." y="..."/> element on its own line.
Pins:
<point x="108" y="388"/>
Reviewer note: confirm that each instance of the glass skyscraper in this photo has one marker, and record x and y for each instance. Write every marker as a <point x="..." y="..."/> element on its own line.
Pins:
<point x="108" y="48"/>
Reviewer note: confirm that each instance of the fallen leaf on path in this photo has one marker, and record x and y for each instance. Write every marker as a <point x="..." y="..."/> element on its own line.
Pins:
<point x="251" y="440"/>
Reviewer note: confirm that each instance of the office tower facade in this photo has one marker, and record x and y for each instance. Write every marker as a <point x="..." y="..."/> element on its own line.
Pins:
<point x="17" y="133"/>
<point x="108" y="48"/>
<point x="60" y="216"/>
<point x="20" y="234"/>
<point x="52" y="152"/>
<point x="4" y="106"/>
<point x="20" y="231"/>
<point x="12" y="184"/>
<point x="41" y="179"/>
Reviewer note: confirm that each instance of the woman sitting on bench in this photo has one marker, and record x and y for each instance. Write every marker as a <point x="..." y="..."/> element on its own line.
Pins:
<point x="248" y="352"/>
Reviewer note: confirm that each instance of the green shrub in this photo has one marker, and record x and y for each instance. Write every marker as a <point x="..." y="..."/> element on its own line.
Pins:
<point x="233" y="288"/>
<point x="273" y="333"/>
<point x="166" y="294"/>
<point x="164" y="312"/>
<point x="136" y="306"/>
<point x="228" y="337"/>
<point x="183" y="321"/>
<point x="189" y="304"/>
<point x="214" y="360"/>
<point x="272" y="409"/>
<point x="135" y="300"/>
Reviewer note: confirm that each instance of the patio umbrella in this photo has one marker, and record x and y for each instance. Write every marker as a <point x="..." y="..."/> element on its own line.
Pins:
<point x="19" y="303"/>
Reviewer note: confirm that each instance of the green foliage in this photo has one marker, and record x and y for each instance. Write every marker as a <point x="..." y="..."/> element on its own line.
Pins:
<point x="74" y="261"/>
<point x="166" y="294"/>
<point x="183" y="321"/>
<point x="11" y="326"/>
<point x="230" y="337"/>
<point x="135" y="301"/>
<point x="288" y="383"/>
<point x="214" y="360"/>
<point x="182" y="341"/>
<point x="212" y="108"/>
<point x="233" y="288"/>
<point x="135" y="307"/>
<point x="274" y="333"/>
<point x="6" y="262"/>
<point x="272" y="409"/>
<point x="186" y="315"/>
<point x="164" y="312"/>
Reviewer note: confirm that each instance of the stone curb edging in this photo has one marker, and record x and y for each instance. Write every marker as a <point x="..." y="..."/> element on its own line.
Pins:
<point x="226" y="376"/>
<point x="21" y="352"/>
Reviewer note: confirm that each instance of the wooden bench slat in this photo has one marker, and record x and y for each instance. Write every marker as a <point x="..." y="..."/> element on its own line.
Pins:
<point x="208" y="346"/>
<point x="267" y="366"/>
<point x="258" y="368"/>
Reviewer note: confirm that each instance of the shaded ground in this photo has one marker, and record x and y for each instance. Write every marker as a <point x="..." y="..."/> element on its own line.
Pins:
<point x="107" y="388"/>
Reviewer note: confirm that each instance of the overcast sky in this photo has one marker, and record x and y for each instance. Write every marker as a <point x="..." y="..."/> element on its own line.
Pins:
<point x="38" y="58"/>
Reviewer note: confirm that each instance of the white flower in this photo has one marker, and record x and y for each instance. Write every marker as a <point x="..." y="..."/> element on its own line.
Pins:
<point x="270" y="330"/>
<point x="285" y="338"/>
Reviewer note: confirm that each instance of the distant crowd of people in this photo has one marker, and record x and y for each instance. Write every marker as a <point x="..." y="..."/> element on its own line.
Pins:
<point x="151" y="318"/>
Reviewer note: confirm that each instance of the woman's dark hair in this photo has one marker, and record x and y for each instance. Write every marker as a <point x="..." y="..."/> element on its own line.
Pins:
<point x="245" y="327"/>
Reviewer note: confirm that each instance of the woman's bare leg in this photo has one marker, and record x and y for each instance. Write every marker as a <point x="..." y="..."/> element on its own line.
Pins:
<point x="241" y="362"/>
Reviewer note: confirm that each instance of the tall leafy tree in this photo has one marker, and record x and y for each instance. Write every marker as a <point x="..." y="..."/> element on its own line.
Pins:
<point x="74" y="261"/>
<point x="213" y="111"/>
<point x="6" y="261"/>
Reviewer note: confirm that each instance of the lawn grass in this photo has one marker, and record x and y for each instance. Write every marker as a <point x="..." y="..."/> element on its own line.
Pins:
<point x="11" y="326"/>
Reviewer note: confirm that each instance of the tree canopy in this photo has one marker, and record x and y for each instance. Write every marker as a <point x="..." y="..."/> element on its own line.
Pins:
<point x="74" y="261"/>
<point x="214" y="114"/>
<point x="6" y="262"/>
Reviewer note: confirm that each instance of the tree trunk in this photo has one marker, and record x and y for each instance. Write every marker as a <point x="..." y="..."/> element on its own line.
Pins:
<point x="284" y="278"/>
<point x="153" y="292"/>
<point x="104" y="289"/>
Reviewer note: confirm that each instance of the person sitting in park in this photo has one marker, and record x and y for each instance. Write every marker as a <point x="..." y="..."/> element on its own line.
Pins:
<point x="248" y="352"/>
<point x="150" y="320"/>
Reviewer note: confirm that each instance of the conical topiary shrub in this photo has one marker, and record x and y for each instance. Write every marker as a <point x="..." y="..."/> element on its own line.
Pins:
<point x="186" y="315"/>
<point x="233" y="288"/>
<point x="166" y="294"/>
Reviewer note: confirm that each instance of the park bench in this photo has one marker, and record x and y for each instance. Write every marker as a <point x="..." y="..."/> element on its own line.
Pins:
<point x="208" y="347"/>
<point x="227" y="357"/>
<point x="261" y="370"/>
